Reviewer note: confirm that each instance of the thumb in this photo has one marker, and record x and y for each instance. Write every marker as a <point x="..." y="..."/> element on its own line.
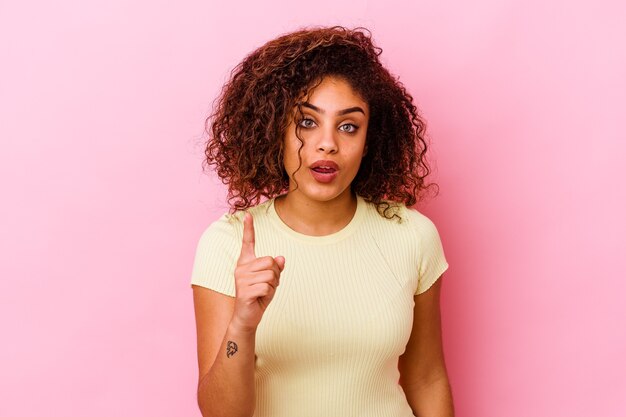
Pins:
<point x="280" y="260"/>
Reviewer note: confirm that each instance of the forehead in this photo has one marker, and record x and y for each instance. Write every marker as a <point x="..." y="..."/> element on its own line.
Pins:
<point x="335" y="93"/>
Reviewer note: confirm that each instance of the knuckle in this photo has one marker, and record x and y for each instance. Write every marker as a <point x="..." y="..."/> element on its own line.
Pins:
<point x="266" y="261"/>
<point x="268" y="275"/>
<point x="267" y="288"/>
<point x="239" y="271"/>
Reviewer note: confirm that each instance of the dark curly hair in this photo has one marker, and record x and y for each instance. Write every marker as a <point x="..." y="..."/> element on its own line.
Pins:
<point x="254" y="109"/>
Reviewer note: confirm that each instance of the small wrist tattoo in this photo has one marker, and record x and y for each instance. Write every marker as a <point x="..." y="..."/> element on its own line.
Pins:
<point x="231" y="348"/>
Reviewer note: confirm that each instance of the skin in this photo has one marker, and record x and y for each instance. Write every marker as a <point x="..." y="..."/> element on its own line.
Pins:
<point x="423" y="374"/>
<point x="226" y="329"/>
<point x="226" y="375"/>
<point x="315" y="208"/>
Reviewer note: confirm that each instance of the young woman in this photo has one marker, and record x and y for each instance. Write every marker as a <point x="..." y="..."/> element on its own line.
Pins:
<point x="322" y="300"/>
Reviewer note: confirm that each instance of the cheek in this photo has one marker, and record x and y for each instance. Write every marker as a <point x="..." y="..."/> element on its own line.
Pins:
<point x="356" y="149"/>
<point x="290" y="153"/>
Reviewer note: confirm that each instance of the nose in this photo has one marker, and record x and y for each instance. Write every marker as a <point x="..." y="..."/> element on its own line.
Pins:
<point x="328" y="142"/>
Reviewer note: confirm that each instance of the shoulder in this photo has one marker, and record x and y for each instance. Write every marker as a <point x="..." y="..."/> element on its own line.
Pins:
<point x="397" y="213"/>
<point x="418" y="220"/>
<point x="424" y="228"/>
<point x="402" y="222"/>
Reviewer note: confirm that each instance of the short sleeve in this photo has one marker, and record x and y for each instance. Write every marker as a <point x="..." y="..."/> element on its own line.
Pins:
<point x="431" y="260"/>
<point x="216" y="257"/>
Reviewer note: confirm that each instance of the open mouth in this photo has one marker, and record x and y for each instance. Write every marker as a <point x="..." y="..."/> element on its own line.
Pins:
<point x="323" y="174"/>
<point x="324" y="170"/>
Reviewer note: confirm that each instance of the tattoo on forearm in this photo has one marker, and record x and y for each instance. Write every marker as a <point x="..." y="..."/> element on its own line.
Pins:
<point x="231" y="348"/>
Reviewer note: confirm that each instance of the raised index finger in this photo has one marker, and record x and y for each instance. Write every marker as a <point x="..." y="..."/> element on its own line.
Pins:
<point x="247" y="243"/>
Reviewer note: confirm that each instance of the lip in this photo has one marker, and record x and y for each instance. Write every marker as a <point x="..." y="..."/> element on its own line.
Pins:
<point x="324" y="177"/>
<point x="325" y="163"/>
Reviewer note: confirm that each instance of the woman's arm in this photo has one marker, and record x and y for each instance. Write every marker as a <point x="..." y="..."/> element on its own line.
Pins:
<point x="423" y="374"/>
<point x="225" y="357"/>
<point x="226" y="328"/>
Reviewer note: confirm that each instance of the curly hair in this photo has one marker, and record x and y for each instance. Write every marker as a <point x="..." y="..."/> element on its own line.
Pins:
<point x="252" y="113"/>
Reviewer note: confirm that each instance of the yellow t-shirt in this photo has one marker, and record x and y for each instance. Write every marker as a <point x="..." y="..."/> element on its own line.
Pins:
<point x="328" y="343"/>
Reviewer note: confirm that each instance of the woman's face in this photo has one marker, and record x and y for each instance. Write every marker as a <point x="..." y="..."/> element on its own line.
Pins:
<point x="333" y="129"/>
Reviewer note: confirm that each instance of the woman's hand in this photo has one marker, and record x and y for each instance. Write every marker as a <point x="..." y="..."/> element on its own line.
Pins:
<point x="256" y="280"/>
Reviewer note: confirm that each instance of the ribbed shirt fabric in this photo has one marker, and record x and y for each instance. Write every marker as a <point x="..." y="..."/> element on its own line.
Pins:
<point x="328" y="343"/>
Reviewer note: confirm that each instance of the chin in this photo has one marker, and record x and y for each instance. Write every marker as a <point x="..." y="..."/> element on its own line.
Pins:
<point x="325" y="193"/>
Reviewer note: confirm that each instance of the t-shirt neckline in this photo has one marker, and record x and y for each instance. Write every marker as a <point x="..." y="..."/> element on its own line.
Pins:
<point x="346" y="231"/>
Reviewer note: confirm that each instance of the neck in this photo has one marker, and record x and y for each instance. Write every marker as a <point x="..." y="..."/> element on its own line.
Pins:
<point x="314" y="217"/>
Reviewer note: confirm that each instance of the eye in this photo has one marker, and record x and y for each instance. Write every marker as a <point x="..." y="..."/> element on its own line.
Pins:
<point x="307" y="123"/>
<point x="348" y="128"/>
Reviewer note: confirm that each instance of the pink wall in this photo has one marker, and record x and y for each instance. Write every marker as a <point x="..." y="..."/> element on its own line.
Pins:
<point x="102" y="108"/>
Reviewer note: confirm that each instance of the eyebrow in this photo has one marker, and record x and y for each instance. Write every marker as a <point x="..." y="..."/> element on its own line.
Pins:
<point x="339" y="113"/>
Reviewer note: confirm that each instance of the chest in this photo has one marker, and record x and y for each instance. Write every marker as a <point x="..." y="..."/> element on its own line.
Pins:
<point x="337" y="304"/>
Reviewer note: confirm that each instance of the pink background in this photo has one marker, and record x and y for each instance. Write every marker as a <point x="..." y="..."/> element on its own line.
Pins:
<point x="102" y="111"/>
